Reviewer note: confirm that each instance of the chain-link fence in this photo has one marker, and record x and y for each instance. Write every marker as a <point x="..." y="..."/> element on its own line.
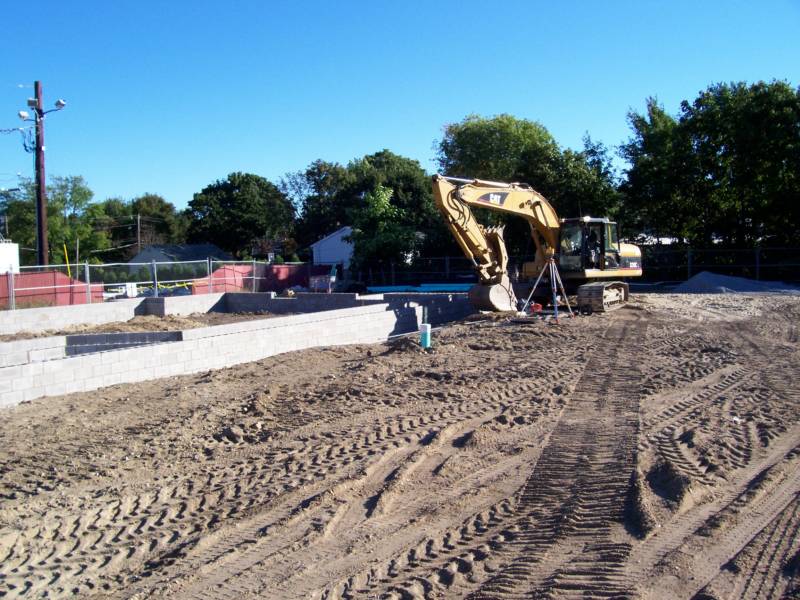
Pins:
<point x="662" y="263"/>
<point x="85" y="283"/>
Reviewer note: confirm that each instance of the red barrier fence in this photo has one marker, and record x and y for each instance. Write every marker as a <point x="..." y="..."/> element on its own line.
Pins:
<point x="47" y="288"/>
<point x="268" y="278"/>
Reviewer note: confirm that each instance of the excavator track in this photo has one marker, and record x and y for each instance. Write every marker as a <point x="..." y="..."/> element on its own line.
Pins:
<point x="602" y="296"/>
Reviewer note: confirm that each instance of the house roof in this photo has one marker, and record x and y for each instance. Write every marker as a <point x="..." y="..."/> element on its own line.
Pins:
<point x="346" y="228"/>
<point x="182" y="252"/>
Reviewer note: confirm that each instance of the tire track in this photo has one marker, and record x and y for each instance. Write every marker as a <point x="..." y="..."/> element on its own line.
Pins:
<point x="578" y="487"/>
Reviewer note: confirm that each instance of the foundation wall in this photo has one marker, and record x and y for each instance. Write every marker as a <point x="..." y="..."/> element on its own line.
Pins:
<point x="206" y="348"/>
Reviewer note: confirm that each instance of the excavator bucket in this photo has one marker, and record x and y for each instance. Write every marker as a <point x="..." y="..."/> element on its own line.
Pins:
<point x="498" y="297"/>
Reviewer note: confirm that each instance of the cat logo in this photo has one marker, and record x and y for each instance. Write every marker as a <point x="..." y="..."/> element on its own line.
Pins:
<point x="497" y="198"/>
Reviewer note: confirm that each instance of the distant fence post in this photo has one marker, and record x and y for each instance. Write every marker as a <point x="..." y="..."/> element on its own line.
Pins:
<point x="154" y="269"/>
<point x="254" y="275"/>
<point x="88" y="282"/>
<point x="758" y="263"/>
<point x="688" y="263"/>
<point x="208" y="271"/>
<point x="12" y="299"/>
<point x="391" y="271"/>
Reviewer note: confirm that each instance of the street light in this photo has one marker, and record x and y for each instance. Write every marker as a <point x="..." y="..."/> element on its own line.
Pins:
<point x="39" y="113"/>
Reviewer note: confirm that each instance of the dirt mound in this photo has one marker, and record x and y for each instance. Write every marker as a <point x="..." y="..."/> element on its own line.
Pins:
<point x="144" y="323"/>
<point x="713" y="283"/>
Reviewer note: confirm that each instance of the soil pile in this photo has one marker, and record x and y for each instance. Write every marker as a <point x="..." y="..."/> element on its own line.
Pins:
<point x="143" y="323"/>
<point x="713" y="283"/>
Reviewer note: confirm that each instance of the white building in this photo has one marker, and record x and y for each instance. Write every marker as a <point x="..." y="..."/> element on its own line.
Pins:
<point x="333" y="249"/>
<point x="9" y="257"/>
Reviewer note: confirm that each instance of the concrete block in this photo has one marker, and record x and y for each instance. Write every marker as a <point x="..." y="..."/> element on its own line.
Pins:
<point x="23" y="383"/>
<point x="10" y="372"/>
<point x="55" y="389"/>
<point x="92" y="383"/>
<point x="16" y="358"/>
<point x="100" y="370"/>
<point x="119" y="367"/>
<point x="112" y="379"/>
<point x="8" y="399"/>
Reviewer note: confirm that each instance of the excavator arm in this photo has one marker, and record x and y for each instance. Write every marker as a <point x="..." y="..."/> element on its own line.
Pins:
<point x="485" y="246"/>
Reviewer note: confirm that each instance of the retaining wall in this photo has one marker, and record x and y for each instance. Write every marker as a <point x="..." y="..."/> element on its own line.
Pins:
<point x="58" y="317"/>
<point x="207" y="348"/>
<point x="300" y="303"/>
<point x="21" y="352"/>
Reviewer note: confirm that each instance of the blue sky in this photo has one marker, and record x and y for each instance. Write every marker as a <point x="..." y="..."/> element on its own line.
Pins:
<point x="168" y="97"/>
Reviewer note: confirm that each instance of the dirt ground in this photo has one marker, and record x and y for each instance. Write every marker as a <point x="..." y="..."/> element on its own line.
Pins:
<point x="146" y="323"/>
<point x="651" y="452"/>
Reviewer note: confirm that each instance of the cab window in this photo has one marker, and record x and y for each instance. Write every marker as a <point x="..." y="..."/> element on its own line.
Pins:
<point x="571" y="240"/>
<point x="612" y="240"/>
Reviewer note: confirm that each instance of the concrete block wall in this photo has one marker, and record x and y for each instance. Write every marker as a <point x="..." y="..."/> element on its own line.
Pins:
<point x="58" y="317"/>
<point x="21" y="352"/>
<point x="440" y="308"/>
<point x="300" y="303"/>
<point x="207" y="348"/>
<point x="102" y="342"/>
<point x="184" y="305"/>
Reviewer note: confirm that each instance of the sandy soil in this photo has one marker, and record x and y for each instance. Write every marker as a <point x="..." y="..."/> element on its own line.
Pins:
<point x="650" y="452"/>
<point x="146" y="323"/>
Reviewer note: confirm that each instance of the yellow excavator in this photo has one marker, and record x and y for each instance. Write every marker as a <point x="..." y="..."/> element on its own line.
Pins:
<point x="590" y="258"/>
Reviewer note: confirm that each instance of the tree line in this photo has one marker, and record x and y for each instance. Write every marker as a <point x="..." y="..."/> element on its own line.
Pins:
<point x="724" y="170"/>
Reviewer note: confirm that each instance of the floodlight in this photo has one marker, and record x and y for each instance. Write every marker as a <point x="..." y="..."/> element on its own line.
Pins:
<point x="23" y="115"/>
<point x="60" y="104"/>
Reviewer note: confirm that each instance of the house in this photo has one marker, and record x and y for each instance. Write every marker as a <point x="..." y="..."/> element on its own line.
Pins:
<point x="333" y="249"/>
<point x="179" y="253"/>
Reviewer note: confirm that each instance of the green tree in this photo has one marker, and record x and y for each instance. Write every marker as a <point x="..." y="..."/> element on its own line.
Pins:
<point x="726" y="169"/>
<point x="330" y="195"/>
<point x="237" y="212"/>
<point x="505" y="148"/>
<point x="317" y="194"/>
<point x="71" y="220"/>
<point x="381" y="230"/>
<point x="160" y="222"/>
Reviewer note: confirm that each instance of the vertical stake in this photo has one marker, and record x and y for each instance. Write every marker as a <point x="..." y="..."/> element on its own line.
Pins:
<point x="154" y="270"/>
<point x="12" y="300"/>
<point x="553" y="285"/>
<point x="88" y="282"/>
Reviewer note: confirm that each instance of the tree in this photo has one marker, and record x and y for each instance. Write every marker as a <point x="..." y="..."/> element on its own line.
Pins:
<point x="71" y="220"/>
<point x="381" y="231"/>
<point x="725" y="170"/>
<point x="236" y="212"/>
<point x="504" y="148"/>
<point x="159" y="221"/>
<point x="330" y="195"/>
<point x="317" y="194"/>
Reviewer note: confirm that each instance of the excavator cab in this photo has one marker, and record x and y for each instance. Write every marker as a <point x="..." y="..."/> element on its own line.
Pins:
<point x="588" y="244"/>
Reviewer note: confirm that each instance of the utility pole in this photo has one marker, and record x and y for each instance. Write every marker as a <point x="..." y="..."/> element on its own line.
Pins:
<point x="41" y="183"/>
<point x="39" y="113"/>
<point x="138" y="233"/>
